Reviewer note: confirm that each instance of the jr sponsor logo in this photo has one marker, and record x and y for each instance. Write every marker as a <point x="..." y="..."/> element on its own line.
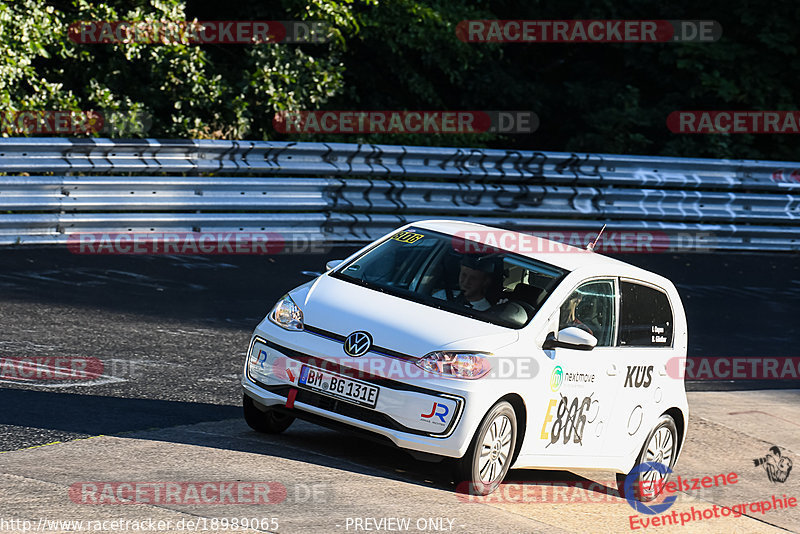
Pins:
<point x="438" y="410"/>
<point x="639" y="376"/>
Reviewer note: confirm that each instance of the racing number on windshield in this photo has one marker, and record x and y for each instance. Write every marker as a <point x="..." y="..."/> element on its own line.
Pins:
<point x="407" y="237"/>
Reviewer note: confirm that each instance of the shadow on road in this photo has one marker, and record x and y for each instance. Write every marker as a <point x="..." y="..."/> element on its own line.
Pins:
<point x="94" y="415"/>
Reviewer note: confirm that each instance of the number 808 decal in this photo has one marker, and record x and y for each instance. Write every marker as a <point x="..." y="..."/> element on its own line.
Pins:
<point x="570" y="419"/>
<point x="407" y="237"/>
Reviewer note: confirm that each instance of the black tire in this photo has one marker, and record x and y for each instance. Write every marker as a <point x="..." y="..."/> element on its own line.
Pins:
<point x="266" y="422"/>
<point x="649" y="484"/>
<point x="495" y="441"/>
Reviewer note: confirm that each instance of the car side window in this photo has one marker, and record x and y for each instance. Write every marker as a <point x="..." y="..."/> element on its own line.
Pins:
<point x="591" y="307"/>
<point x="645" y="316"/>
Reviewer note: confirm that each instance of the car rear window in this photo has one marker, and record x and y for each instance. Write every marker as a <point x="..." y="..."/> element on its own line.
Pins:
<point x="645" y="316"/>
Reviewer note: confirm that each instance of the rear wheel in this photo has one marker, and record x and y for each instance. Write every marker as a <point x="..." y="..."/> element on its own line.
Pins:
<point x="661" y="447"/>
<point x="267" y="422"/>
<point x="488" y="458"/>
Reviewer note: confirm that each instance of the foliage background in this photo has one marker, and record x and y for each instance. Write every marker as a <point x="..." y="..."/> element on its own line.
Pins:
<point x="404" y="55"/>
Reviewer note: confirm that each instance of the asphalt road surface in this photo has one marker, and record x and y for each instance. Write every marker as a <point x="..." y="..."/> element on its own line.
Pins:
<point x="172" y="331"/>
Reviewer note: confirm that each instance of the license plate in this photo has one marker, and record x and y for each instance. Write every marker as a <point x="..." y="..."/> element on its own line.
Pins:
<point x="338" y="386"/>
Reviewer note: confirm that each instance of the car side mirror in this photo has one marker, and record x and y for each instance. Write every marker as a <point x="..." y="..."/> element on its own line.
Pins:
<point x="332" y="264"/>
<point x="570" y="337"/>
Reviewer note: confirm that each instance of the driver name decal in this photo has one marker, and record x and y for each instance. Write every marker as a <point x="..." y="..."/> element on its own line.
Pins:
<point x="656" y="336"/>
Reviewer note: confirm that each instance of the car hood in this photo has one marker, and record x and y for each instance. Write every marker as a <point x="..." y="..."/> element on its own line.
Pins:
<point x="394" y="323"/>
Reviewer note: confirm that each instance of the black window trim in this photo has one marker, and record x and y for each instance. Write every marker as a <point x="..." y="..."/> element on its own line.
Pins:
<point x="660" y="289"/>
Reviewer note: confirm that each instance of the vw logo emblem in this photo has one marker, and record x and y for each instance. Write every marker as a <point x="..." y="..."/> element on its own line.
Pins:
<point x="357" y="344"/>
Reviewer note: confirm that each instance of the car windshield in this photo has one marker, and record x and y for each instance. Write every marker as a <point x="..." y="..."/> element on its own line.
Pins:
<point x="456" y="275"/>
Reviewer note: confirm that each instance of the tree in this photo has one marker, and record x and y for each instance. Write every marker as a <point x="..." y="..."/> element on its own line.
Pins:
<point x="404" y="55"/>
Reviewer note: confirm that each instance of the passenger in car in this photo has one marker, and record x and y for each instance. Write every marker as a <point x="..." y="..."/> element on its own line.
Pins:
<point x="569" y="315"/>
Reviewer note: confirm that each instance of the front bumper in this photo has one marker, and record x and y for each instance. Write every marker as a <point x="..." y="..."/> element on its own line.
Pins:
<point x="407" y="396"/>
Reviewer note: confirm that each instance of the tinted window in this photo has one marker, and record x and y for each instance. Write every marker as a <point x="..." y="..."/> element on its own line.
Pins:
<point x="645" y="317"/>
<point x="591" y="308"/>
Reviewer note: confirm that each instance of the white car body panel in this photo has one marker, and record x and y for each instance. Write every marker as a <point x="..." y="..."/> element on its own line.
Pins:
<point x="611" y="438"/>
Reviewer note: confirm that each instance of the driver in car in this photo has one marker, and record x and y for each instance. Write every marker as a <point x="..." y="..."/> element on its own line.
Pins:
<point x="474" y="280"/>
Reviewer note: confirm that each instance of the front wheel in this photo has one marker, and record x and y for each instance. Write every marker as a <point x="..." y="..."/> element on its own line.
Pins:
<point x="266" y="422"/>
<point x="488" y="458"/>
<point x="660" y="446"/>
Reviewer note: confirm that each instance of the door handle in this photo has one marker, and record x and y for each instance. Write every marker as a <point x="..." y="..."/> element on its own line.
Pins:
<point x="612" y="371"/>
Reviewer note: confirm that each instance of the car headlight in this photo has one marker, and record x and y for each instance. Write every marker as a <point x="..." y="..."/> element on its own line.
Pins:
<point x="287" y="314"/>
<point x="469" y="365"/>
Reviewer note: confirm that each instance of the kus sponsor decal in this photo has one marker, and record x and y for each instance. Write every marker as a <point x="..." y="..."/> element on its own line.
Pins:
<point x="639" y="376"/>
<point x="438" y="410"/>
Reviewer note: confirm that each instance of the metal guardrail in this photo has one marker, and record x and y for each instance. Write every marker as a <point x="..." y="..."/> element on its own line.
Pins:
<point x="353" y="193"/>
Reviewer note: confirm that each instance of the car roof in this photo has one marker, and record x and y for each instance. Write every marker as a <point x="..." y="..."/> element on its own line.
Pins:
<point x="565" y="256"/>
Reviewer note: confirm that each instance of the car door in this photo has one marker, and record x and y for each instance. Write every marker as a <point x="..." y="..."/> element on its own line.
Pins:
<point x="644" y="346"/>
<point x="578" y="411"/>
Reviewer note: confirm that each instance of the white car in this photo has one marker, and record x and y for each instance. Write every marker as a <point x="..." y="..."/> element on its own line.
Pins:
<point x="492" y="348"/>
